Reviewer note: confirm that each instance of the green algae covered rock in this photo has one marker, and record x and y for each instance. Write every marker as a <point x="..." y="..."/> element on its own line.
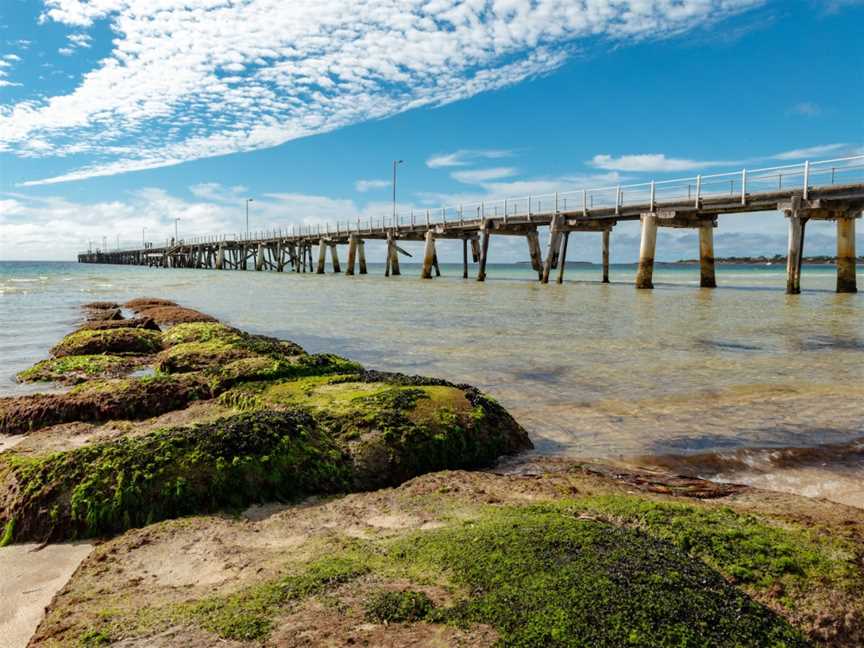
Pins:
<point x="388" y="435"/>
<point x="202" y="345"/>
<point x="112" y="486"/>
<point x="102" y="400"/>
<point x="123" y="340"/>
<point x="76" y="368"/>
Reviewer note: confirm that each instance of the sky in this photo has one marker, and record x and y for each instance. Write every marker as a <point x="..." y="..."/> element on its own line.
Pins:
<point x="118" y="117"/>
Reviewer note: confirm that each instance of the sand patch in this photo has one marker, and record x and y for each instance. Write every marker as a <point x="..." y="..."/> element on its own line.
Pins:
<point x="29" y="581"/>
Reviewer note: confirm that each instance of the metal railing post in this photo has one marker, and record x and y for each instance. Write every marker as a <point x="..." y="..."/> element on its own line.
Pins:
<point x="584" y="202"/>
<point x="743" y="186"/>
<point x="653" y="194"/>
<point x="806" y="178"/>
<point x="618" y="200"/>
<point x="698" y="190"/>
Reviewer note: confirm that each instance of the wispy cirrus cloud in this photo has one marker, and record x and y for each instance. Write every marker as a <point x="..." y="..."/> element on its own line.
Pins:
<point x="465" y="157"/>
<point x="188" y="80"/>
<point x="368" y="185"/>
<point x="660" y="163"/>
<point x="656" y="162"/>
<point x="480" y="176"/>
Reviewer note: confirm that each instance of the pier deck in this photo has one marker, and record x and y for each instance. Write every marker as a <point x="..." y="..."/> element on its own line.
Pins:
<point x="826" y="190"/>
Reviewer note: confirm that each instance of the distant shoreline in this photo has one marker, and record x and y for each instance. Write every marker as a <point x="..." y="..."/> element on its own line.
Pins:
<point x="775" y="260"/>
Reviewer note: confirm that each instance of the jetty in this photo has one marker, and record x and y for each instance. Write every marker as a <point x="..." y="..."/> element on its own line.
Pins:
<point x="812" y="190"/>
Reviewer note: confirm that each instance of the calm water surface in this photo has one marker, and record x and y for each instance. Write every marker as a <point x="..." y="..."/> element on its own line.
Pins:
<point x="721" y="381"/>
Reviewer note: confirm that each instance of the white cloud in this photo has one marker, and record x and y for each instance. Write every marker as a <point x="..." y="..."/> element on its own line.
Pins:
<point x="57" y="228"/>
<point x="656" y="162"/>
<point x="806" y="109"/>
<point x="480" y="176"/>
<point x="12" y="57"/>
<point x="174" y="84"/>
<point x="366" y="185"/>
<point x="66" y="51"/>
<point x="79" y="40"/>
<point x="465" y="157"/>
<point x="814" y="151"/>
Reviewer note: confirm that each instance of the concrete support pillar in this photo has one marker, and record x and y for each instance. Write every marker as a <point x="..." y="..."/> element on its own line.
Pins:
<point x="606" y="236"/>
<point x="220" y="257"/>
<point x="322" y="255"/>
<point x="394" y="256"/>
<point x="563" y="259"/>
<point x="846" y="282"/>
<point x="464" y="258"/>
<point x="645" y="274"/>
<point x="795" y="252"/>
<point x="352" y="254"/>
<point x="334" y="258"/>
<point x="361" y="255"/>
<point x="475" y="250"/>
<point x="484" y="253"/>
<point x="428" y="255"/>
<point x="554" y="243"/>
<point x="707" y="278"/>
<point x="535" y="253"/>
<point x="259" y="258"/>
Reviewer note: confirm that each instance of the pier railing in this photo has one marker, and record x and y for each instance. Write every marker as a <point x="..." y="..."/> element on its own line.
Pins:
<point x="737" y="184"/>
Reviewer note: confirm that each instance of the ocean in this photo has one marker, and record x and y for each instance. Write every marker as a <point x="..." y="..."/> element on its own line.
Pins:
<point x="741" y="383"/>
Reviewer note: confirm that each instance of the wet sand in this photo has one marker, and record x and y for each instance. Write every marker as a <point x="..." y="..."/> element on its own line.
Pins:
<point x="31" y="578"/>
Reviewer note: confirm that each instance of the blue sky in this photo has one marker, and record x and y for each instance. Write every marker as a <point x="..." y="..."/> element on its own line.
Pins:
<point x="119" y="115"/>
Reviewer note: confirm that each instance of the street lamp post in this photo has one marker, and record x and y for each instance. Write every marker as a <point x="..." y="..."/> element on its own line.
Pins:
<point x="143" y="237"/>
<point x="248" y="200"/>
<point x="176" y="231"/>
<point x="395" y="163"/>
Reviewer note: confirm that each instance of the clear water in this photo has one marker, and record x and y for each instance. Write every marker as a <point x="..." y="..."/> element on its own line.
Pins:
<point x="591" y="370"/>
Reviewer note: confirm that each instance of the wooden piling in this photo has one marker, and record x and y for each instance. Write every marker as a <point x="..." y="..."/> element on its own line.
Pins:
<point x="352" y="254"/>
<point x="484" y="253"/>
<point x="846" y="281"/>
<point x="645" y="274"/>
<point x="361" y="254"/>
<point x="563" y="259"/>
<point x="554" y="242"/>
<point x="534" y="252"/>
<point x="464" y="258"/>
<point x="475" y="249"/>
<point x="707" y="278"/>
<point x="220" y="257"/>
<point x="322" y="255"/>
<point x="796" y="249"/>
<point x="259" y="258"/>
<point x="394" y="259"/>
<point x="606" y="236"/>
<point x="334" y="258"/>
<point x="428" y="255"/>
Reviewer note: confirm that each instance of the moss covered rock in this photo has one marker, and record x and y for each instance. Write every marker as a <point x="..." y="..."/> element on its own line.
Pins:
<point x="122" y="340"/>
<point x="203" y="345"/>
<point x="133" y="322"/>
<point x="102" y="400"/>
<point x="400" y="428"/>
<point x="380" y="435"/>
<point x="140" y="303"/>
<point x="77" y="368"/>
<point x="112" y="486"/>
<point x="170" y="315"/>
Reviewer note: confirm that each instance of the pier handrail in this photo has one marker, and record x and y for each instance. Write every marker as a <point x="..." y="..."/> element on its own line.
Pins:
<point x="737" y="184"/>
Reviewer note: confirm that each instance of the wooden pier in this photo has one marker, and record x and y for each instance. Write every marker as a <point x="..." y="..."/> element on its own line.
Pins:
<point x="825" y="190"/>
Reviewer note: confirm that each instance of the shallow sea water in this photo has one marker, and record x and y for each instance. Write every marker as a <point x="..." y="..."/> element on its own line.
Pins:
<point x="591" y="370"/>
